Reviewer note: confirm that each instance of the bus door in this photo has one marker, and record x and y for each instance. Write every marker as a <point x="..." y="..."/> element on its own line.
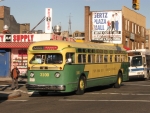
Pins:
<point x="147" y="64"/>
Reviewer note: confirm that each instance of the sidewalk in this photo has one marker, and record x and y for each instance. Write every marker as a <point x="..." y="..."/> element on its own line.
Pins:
<point x="5" y="91"/>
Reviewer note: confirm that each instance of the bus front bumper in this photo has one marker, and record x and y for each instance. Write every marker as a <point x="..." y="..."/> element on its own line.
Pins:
<point x="45" y="87"/>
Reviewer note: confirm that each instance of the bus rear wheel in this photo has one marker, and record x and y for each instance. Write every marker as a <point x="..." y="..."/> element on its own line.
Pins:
<point x="43" y="93"/>
<point x="119" y="81"/>
<point x="81" y="86"/>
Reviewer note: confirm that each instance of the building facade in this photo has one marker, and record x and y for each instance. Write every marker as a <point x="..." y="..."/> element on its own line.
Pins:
<point x="124" y="26"/>
<point x="10" y="21"/>
<point x="147" y="39"/>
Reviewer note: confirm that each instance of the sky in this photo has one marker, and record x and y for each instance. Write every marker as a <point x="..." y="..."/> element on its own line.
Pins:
<point x="32" y="11"/>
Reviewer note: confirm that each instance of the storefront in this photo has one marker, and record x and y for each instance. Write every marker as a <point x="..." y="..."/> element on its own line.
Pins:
<point x="16" y="46"/>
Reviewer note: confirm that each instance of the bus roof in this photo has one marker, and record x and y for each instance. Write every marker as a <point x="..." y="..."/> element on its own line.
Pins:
<point x="89" y="45"/>
<point x="143" y="51"/>
<point x="139" y="50"/>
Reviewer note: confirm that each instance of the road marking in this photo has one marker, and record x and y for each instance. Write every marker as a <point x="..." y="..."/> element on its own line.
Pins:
<point x="17" y="100"/>
<point x="76" y="100"/>
<point x="116" y="94"/>
<point x="136" y="85"/>
<point x="13" y="100"/>
<point x="4" y="85"/>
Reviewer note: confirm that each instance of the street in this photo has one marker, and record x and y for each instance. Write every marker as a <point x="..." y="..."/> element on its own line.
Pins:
<point x="132" y="97"/>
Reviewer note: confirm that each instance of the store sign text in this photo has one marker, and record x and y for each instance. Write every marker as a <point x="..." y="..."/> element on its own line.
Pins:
<point x="23" y="38"/>
<point x="1" y="38"/>
<point x="58" y="37"/>
<point x="17" y="38"/>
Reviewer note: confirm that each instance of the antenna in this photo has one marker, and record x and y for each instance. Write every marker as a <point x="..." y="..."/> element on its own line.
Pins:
<point x="69" y="28"/>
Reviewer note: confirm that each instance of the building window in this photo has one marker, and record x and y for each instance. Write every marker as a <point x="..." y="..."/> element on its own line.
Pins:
<point x="135" y="45"/>
<point x="127" y="42"/>
<point x="132" y="27"/>
<point x="142" y="45"/>
<point x="138" y="45"/>
<point x="132" y="45"/>
<point x="135" y="28"/>
<point x="142" y="31"/>
<point x="128" y="25"/>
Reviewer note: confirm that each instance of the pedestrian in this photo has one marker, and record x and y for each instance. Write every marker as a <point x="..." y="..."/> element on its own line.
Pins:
<point x="14" y="75"/>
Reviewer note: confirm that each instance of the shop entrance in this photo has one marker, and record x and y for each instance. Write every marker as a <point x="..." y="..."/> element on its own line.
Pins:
<point x="4" y="64"/>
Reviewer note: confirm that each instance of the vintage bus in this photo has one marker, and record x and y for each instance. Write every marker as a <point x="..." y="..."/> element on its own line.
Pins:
<point x="61" y="66"/>
<point x="139" y="63"/>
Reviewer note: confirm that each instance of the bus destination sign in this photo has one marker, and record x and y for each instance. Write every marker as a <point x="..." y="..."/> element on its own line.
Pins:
<point x="45" y="47"/>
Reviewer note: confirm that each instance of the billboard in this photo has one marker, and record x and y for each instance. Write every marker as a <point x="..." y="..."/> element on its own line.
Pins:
<point x="48" y="20"/>
<point x="107" y="26"/>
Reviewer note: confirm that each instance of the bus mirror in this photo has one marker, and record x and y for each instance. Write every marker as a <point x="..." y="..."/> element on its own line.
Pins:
<point x="69" y="61"/>
<point x="144" y="64"/>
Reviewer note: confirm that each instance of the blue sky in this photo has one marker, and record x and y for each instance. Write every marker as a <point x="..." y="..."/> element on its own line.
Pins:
<point x="32" y="11"/>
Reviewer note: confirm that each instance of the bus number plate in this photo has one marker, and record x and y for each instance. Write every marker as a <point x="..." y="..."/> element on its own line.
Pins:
<point x="44" y="74"/>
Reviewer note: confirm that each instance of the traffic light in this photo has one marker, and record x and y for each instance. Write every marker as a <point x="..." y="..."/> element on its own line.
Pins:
<point x="136" y="4"/>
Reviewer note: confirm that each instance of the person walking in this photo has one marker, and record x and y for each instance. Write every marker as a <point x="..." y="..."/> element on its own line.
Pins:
<point x="14" y="75"/>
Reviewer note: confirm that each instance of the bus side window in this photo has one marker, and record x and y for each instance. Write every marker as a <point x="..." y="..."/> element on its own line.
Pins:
<point x="89" y="58"/>
<point x="101" y="58"/>
<point x="98" y="59"/>
<point x="115" y="58"/>
<point x="70" y="55"/>
<point x="118" y="58"/>
<point x="111" y="58"/>
<point x="79" y="58"/>
<point x="84" y="58"/>
<point x="105" y="58"/>
<point x="93" y="58"/>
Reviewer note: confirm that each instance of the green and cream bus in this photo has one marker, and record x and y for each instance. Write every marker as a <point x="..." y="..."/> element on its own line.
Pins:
<point x="61" y="66"/>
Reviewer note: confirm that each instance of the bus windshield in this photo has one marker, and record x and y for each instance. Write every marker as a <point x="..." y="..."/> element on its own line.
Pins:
<point x="136" y="61"/>
<point x="50" y="58"/>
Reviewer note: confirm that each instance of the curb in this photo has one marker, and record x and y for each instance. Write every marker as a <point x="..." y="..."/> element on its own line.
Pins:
<point x="13" y="95"/>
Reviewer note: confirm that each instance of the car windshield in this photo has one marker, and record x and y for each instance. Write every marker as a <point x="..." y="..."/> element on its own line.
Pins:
<point x="137" y="61"/>
<point x="51" y="58"/>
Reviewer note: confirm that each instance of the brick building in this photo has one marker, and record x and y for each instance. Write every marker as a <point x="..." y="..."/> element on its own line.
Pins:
<point x="132" y="31"/>
<point x="9" y="20"/>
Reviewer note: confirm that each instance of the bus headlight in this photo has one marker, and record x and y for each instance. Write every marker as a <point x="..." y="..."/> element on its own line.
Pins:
<point x="31" y="74"/>
<point x="57" y="74"/>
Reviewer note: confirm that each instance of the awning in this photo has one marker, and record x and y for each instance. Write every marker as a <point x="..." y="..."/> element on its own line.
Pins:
<point x="15" y="44"/>
<point x="127" y="48"/>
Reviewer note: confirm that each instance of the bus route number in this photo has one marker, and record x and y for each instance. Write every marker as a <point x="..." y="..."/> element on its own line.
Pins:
<point x="44" y="74"/>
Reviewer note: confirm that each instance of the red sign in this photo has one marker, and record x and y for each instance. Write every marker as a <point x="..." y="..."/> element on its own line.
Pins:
<point x="50" y="47"/>
<point x="22" y="52"/>
<point x="58" y="37"/>
<point x="23" y="38"/>
<point x="1" y="38"/>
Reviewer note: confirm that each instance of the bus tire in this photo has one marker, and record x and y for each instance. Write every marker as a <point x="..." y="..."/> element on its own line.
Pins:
<point x="43" y="93"/>
<point x="81" y="86"/>
<point x="119" y="81"/>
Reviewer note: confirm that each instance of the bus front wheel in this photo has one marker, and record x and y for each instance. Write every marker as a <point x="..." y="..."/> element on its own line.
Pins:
<point x="119" y="81"/>
<point x="81" y="86"/>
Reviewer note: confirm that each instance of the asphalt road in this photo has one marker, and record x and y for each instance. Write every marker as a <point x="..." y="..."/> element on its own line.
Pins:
<point x="132" y="97"/>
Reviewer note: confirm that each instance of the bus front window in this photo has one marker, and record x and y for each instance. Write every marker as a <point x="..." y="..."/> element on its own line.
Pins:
<point x="137" y="61"/>
<point x="37" y="59"/>
<point x="54" y="58"/>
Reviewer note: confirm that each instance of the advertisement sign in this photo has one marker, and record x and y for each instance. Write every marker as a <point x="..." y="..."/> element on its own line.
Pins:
<point x="132" y="36"/>
<point x="107" y="26"/>
<point x="19" y="58"/>
<point x="24" y="37"/>
<point x="48" y="20"/>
